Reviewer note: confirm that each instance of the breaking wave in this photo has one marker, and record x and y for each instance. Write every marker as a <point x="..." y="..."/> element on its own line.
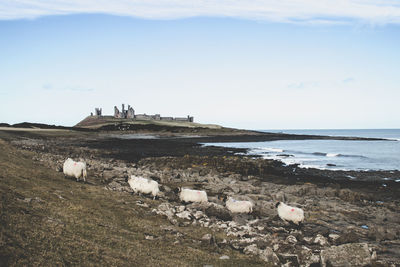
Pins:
<point x="271" y="149"/>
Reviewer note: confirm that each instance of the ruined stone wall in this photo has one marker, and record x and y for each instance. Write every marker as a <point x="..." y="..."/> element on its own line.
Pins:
<point x="130" y="114"/>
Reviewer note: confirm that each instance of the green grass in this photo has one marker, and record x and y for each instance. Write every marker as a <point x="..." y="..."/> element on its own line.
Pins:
<point x="69" y="223"/>
<point x="97" y="122"/>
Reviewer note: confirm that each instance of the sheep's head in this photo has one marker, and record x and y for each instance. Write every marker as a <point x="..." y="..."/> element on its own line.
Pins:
<point x="277" y="204"/>
<point x="222" y="197"/>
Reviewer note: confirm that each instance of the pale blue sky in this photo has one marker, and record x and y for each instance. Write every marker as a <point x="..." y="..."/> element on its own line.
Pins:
<point x="250" y="70"/>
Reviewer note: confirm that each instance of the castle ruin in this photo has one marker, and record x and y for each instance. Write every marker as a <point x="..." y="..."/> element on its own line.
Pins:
<point x="124" y="114"/>
<point x="130" y="114"/>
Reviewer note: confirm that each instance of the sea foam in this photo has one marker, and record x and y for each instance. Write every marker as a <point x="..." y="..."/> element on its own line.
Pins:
<point x="271" y="149"/>
<point x="332" y="155"/>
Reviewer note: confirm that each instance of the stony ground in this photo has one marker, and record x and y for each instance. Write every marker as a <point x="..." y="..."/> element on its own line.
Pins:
<point x="48" y="220"/>
<point x="342" y="226"/>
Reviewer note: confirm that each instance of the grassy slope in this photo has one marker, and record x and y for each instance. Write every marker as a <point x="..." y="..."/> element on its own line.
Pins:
<point x="49" y="220"/>
<point x="95" y="122"/>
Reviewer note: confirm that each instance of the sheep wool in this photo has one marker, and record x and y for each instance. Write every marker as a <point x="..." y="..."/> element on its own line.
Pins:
<point x="190" y="195"/>
<point x="75" y="169"/>
<point x="239" y="206"/>
<point x="288" y="213"/>
<point x="143" y="185"/>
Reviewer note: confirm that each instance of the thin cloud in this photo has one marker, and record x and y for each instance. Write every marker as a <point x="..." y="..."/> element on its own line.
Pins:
<point x="320" y="84"/>
<point x="50" y="87"/>
<point x="288" y="11"/>
<point x="348" y="80"/>
<point x="303" y="85"/>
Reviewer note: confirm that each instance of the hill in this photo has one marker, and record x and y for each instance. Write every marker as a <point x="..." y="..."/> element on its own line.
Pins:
<point x="107" y="122"/>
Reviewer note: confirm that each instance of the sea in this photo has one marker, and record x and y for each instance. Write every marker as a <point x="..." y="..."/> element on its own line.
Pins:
<point x="332" y="154"/>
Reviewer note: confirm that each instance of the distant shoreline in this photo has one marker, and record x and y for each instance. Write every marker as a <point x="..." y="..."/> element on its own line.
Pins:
<point x="198" y="133"/>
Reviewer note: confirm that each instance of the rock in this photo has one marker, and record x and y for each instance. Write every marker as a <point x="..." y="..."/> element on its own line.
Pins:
<point x="142" y="204"/>
<point x="109" y="175"/>
<point x="308" y="239"/>
<point x="241" y="218"/>
<point x="184" y="215"/>
<point x="224" y="225"/>
<point x="198" y="214"/>
<point x="356" y="254"/>
<point x="180" y="208"/>
<point x="149" y="237"/>
<point x="291" y="239"/>
<point x="251" y="250"/>
<point x="333" y="237"/>
<point x="289" y="259"/>
<point x="224" y="257"/>
<point x="268" y="255"/>
<point x="164" y="206"/>
<point x="264" y="209"/>
<point x="319" y="239"/>
<point x="348" y="236"/>
<point x="118" y="187"/>
<point x="219" y="212"/>
<point x="208" y="239"/>
<point x="26" y="200"/>
<point x="307" y="258"/>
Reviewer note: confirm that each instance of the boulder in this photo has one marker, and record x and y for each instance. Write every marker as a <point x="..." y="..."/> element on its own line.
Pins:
<point x="321" y="240"/>
<point x="268" y="255"/>
<point x="219" y="212"/>
<point x="354" y="254"/>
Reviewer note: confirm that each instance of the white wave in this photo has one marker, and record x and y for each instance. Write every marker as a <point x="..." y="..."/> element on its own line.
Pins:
<point x="312" y="166"/>
<point x="271" y="149"/>
<point x="332" y="155"/>
<point x="397" y="181"/>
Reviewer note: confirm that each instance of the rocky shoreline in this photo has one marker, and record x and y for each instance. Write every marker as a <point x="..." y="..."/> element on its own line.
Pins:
<point x="352" y="221"/>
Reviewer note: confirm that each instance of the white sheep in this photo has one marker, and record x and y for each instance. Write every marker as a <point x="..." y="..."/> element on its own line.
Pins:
<point x="190" y="195"/>
<point x="288" y="213"/>
<point x="75" y="169"/>
<point x="143" y="185"/>
<point x="239" y="206"/>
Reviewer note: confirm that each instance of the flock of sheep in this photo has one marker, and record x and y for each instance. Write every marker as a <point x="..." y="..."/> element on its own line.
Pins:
<point x="148" y="186"/>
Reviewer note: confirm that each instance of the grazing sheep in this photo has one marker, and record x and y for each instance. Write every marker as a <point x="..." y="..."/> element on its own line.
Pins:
<point x="288" y="213"/>
<point x="75" y="169"/>
<point x="189" y="195"/>
<point x="239" y="206"/>
<point x="143" y="185"/>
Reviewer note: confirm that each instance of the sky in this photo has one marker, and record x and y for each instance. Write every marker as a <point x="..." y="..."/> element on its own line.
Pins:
<point x="298" y="64"/>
